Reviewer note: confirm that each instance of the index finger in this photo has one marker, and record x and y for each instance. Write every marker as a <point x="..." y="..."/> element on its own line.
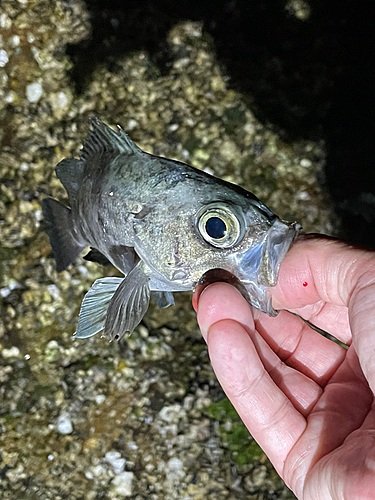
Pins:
<point x="317" y="269"/>
<point x="322" y="269"/>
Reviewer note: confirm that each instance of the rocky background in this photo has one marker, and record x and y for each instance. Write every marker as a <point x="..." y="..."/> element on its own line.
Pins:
<point x="146" y="418"/>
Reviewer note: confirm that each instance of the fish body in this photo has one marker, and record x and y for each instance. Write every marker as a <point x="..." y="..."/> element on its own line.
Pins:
<point x="163" y="224"/>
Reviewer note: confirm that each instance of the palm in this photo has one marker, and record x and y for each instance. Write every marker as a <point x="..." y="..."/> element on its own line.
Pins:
<point x="348" y="470"/>
<point x="338" y="440"/>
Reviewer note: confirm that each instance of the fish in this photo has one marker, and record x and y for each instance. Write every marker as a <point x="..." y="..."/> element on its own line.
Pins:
<point x="164" y="225"/>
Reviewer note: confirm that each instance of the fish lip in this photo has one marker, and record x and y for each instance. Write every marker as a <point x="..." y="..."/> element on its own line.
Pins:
<point x="216" y="275"/>
<point x="258" y="267"/>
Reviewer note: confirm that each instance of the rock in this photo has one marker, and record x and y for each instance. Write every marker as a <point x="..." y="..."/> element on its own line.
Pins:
<point x="64" y="424"/>
<point x="34" y="92"/>
<point x="122" y="484"/>
<point x="4" y="59"/>
<point x="114" y="458"/>
<point x="12" y="352"/>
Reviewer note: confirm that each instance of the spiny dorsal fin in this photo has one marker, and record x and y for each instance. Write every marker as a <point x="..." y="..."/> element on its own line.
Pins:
<point x="102" y="138"/>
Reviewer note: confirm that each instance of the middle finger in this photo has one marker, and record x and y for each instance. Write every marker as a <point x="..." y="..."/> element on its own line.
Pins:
<point x="300" y="347"/>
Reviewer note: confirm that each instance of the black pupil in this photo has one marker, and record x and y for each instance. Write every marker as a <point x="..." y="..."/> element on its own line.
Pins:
<point x="215" y="228"/>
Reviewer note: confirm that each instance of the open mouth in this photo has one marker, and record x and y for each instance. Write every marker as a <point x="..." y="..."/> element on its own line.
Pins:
<point x="216" y="276"/>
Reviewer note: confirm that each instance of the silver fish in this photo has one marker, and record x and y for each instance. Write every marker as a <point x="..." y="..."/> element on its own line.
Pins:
<point x="163" y="224"/>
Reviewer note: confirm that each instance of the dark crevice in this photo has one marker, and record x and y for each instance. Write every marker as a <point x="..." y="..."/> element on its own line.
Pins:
<point x="309" y="79"/>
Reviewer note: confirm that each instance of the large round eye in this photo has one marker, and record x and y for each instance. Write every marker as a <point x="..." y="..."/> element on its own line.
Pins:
<point x="218" y="225"/>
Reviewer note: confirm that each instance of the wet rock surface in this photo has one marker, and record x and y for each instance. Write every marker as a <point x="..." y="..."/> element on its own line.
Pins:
<point x="144" y="418"/>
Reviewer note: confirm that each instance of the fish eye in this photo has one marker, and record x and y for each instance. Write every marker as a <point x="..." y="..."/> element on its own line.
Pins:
<point x="218" y="225"/>
<point x="216" y="228"/>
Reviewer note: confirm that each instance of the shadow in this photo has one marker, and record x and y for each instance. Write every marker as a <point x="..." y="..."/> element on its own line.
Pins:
<point x="309" y="79"/>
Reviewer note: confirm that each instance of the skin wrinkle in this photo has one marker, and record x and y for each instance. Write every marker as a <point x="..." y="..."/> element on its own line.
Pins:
<point x="319" y="308"/>
<point x="355" y="487"/>
<point x="302" y="399"/>
<point x="333" y="319"/>
<point x="330" y="282"/>
<point x="287" y="378"/>
<point x="282" y="442"/>
<point x="351" y="272"/>
<point x="311" y="435"/>
<point x="298" y="461"/>
<point x="297" y="386"/>
<point x="276" y="371"/>
<point x="284" y="346"/>
<point x="275" y="424"/>
<point x="321" y="411"/>
<point x="340" y="273"/>
<point x="319" y="415"/>
<point x="357" y="298"/>
<point x="336" y="315"/>
<point x="296" y="472"/>
<point x="354" y="366"/>
<point x="335" y="414"/>
<point x="349" y="387"/>
<point x="280" y="413"/>
<point x="293" y="353"/>
<point x="249" y="388"/>
<point x="321" y="370"/>
<point x="274" y="433"/>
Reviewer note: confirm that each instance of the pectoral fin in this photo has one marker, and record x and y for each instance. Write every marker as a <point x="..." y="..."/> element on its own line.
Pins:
<point x="94" y="307"/>
<point x="128" y="305"/>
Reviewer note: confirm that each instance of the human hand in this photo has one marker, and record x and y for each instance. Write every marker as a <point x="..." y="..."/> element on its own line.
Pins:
<point x="306" y="400"/>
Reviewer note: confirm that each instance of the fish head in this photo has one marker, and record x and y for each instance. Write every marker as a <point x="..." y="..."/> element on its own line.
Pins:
<point x="199" y="223"/>
<point x="247" y="240"/>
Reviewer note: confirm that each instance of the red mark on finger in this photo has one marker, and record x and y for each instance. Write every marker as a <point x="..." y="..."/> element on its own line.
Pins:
<point x="304" y="283"/>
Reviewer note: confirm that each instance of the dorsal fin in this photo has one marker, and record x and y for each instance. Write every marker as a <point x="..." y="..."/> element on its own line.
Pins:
<point x="102" y="138"/>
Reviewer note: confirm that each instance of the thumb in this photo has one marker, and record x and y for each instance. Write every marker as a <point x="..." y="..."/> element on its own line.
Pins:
<point x="227" y="324"/>
<point x="221" y="301"/>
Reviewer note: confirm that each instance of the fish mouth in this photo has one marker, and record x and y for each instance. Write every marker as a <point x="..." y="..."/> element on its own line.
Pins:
<point x="218" y="275"/>
<point x="258" y="267"/>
